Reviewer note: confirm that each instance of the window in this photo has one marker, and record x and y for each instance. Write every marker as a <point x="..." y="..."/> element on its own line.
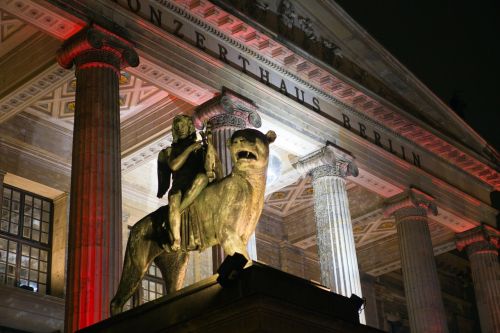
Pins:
<point x="25" y="228"/>
<point x="152" y="284"/>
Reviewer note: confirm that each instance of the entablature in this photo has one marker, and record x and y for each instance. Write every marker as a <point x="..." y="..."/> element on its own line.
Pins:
<point x="217" y="49"/>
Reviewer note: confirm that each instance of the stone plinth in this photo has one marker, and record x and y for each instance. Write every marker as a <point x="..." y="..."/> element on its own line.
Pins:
<point x="262" y="299"/>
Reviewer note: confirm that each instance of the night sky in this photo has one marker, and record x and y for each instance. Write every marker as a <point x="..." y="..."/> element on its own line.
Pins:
<point x="450" y="45"/>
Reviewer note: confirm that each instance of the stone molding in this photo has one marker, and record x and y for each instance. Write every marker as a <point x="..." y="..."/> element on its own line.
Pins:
<point x="44" y="18"/>
<point x="328" y="84"/>
<point x="480" y="239"/>
<point x="33" y="90"/>
<point x="97" y="47"/>
<point x="229" y="109"/>
<point x="325" y="82"/>
<point x="163" y="77"/>
<point x="144" y="154"/>
<point x="412" y="204"/>
<point x="330" y="160"/>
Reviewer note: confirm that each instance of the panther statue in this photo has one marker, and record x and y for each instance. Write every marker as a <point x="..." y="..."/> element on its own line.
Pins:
<point x="226" y="212"/>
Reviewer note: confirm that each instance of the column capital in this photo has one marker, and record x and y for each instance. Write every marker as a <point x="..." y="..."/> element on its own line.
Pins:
<point x="95" y="46"/>
<point x="229" y="109"/>
<point x="412" y="202"/>
<point x="330" y="160"/>
<point x="483" y="238"/>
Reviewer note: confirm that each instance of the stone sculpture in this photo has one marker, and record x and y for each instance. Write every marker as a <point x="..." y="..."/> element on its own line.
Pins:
<point x="225" y="212"/>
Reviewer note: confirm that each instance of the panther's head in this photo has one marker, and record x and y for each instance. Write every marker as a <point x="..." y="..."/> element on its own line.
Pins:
<point x="250" y="150"/>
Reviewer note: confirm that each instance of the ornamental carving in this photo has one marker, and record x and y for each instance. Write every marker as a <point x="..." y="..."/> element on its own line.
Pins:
<point x="412" y="203"/>
<point x="328" y="161"/>
<point x="97" y="46"/>
<point x="479" y="240"/>
<point x="228" y="110"/>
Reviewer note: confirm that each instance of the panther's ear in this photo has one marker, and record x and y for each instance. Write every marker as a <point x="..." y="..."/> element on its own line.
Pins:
<point x="271" y="136"/>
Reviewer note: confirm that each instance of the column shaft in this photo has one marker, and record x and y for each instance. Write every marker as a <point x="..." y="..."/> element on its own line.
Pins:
<point x="486" y="278"/>
<point x="329" y="167"/>
<point x="337" y="252"/>
<point x="95" y="229"/>
<point x="482" y="245"/>
<point x="423" y="294"/>
<point x="95" y="206"/>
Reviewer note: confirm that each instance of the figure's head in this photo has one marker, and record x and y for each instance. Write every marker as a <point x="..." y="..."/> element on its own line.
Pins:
<point x="250" y="149"/>
<point x="182" y="127"/>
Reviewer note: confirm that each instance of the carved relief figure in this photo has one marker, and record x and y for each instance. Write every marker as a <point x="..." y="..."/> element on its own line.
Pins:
<point x="225" y="212"/>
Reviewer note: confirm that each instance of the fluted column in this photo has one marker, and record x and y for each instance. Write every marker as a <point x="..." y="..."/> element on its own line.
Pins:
<point x="422" y="290"/>
<point x="227" y="113"/>
<point x="94" y="255"/>
<point x="337" y="253"/>
<point x="482" y="245"/>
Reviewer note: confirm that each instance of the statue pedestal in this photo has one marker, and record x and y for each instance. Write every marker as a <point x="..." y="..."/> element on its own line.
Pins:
<point x="260" y="299"/>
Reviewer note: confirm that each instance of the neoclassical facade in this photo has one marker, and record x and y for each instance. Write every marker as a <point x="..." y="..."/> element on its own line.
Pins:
<point x="375" y="187"/>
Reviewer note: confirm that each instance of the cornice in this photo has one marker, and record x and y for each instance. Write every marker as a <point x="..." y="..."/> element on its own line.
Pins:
<point x="325" y="82"/>
<point x="406" y="83"/>
<point x="328" y="83"/>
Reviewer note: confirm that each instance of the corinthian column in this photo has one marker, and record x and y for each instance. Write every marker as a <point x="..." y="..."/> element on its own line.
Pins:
<point x="423" y="294"/>
<point x="482" y="245"/>
<point x="337" y="253"/>
<point x="227" y="113"/>
<point x="94" y="258"/>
